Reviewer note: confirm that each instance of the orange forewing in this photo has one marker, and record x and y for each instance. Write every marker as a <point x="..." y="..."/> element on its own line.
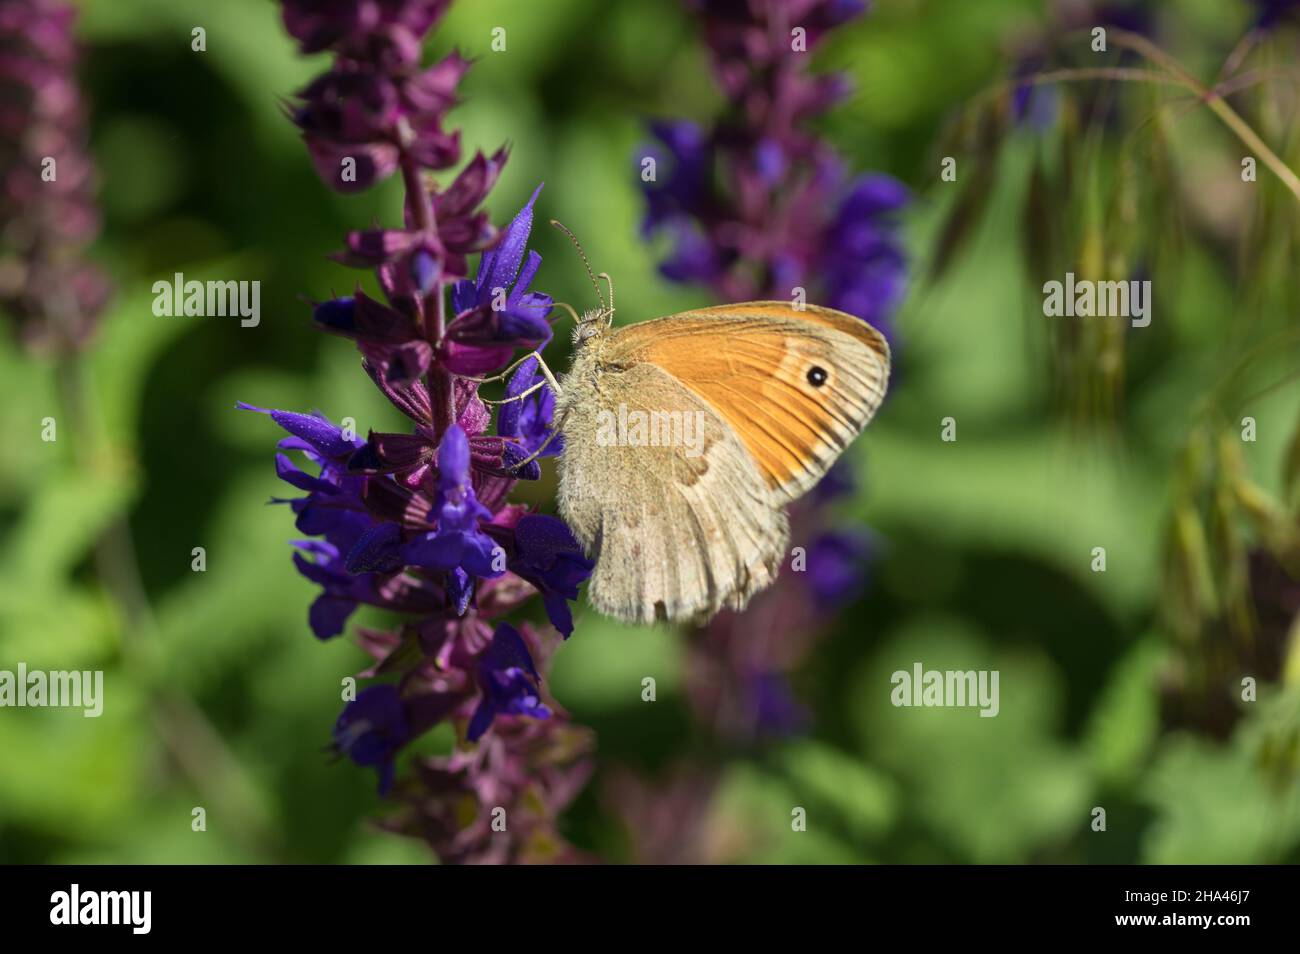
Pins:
<point x="751" y="362"/>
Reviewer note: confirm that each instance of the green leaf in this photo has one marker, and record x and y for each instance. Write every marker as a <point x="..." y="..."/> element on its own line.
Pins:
<point x="752" y="821"/>
<point x="1214" y="807"/>
<point x="998" y="789"/>
<point x="1126" y="719"/>
<point x="130" y="341"/>
<point x="248" y="598"/>
<point x="79" y="775"/>
<point x="863" y="799"/>
<point x="602" y="665"/>
<point x="60" y="525"/>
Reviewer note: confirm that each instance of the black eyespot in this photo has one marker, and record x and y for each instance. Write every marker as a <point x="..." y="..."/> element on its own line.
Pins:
<point x="817" y="376"/>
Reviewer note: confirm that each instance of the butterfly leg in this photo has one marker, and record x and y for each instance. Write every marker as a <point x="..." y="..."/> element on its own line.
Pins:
<point x="549" y="381"/>
<point x="555" y="432"/>
<point x="502" y="375"/>
<point x="518" y="397"/>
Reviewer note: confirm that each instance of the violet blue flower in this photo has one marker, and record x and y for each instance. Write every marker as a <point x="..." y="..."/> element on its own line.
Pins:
<point x="371" y="729"/>
<point x="457" y="543"/>
<point x="496" y="314"/>
<point x="508" y="680"/>
<point x="547" y="556"/>
<point x="419" y="523"/>
<point x="528" y="422"/>
<point x="389" y="340"/>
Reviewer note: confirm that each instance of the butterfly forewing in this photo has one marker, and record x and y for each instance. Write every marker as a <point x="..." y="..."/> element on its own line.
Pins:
<point x="796" y="385"/>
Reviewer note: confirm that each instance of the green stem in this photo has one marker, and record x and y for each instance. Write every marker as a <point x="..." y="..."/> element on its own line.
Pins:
<point x="1145" y="48"/>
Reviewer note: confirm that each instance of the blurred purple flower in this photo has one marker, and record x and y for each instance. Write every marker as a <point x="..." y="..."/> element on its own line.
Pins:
<point x="863" y="267"/>
<point x="320" y="24"/>
<point x="1036" y="106"/>
<point x="530" y="769"/>
<point x="777" y="711"/>
<point x="689" y="161"/>
<point x="837" y="567"/>
<point x="1033" y="104"/>
<point x="756" y="205"/>
<point x="358" y="118"/>
<point x="839" y="482"/>
<point x="1270" y="13"/>
<point x="47" y="181"/>
<point x="668" y="821"/>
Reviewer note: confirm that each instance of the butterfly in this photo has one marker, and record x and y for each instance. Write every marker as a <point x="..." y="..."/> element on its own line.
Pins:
<point x="685" y="437"/>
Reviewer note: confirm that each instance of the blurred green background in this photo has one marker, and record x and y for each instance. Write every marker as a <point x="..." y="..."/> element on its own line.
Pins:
<point x="221" y="697"/>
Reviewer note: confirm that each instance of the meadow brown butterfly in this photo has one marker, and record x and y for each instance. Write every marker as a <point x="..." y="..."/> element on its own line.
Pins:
<point x="686" y="436"/>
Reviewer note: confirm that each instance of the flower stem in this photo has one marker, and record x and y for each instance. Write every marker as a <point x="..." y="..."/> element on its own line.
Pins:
<point x="1176" y="75"/>
<point x="416" y="195"/>
<point x="1120" y="73"/>
<point x="438" y="380"/>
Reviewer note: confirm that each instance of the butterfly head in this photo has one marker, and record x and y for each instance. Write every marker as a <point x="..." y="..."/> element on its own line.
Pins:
<point x="591" y="324"/>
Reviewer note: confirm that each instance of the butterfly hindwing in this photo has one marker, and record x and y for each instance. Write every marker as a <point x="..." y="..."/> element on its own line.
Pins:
<point x="678" y="531"/>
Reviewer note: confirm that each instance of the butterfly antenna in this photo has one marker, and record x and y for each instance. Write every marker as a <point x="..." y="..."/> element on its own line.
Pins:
<point x="569" y="308"/>
<point x="610" y="282"/>
<point x="556" y="318"/>
<point x="590" y="274"/>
